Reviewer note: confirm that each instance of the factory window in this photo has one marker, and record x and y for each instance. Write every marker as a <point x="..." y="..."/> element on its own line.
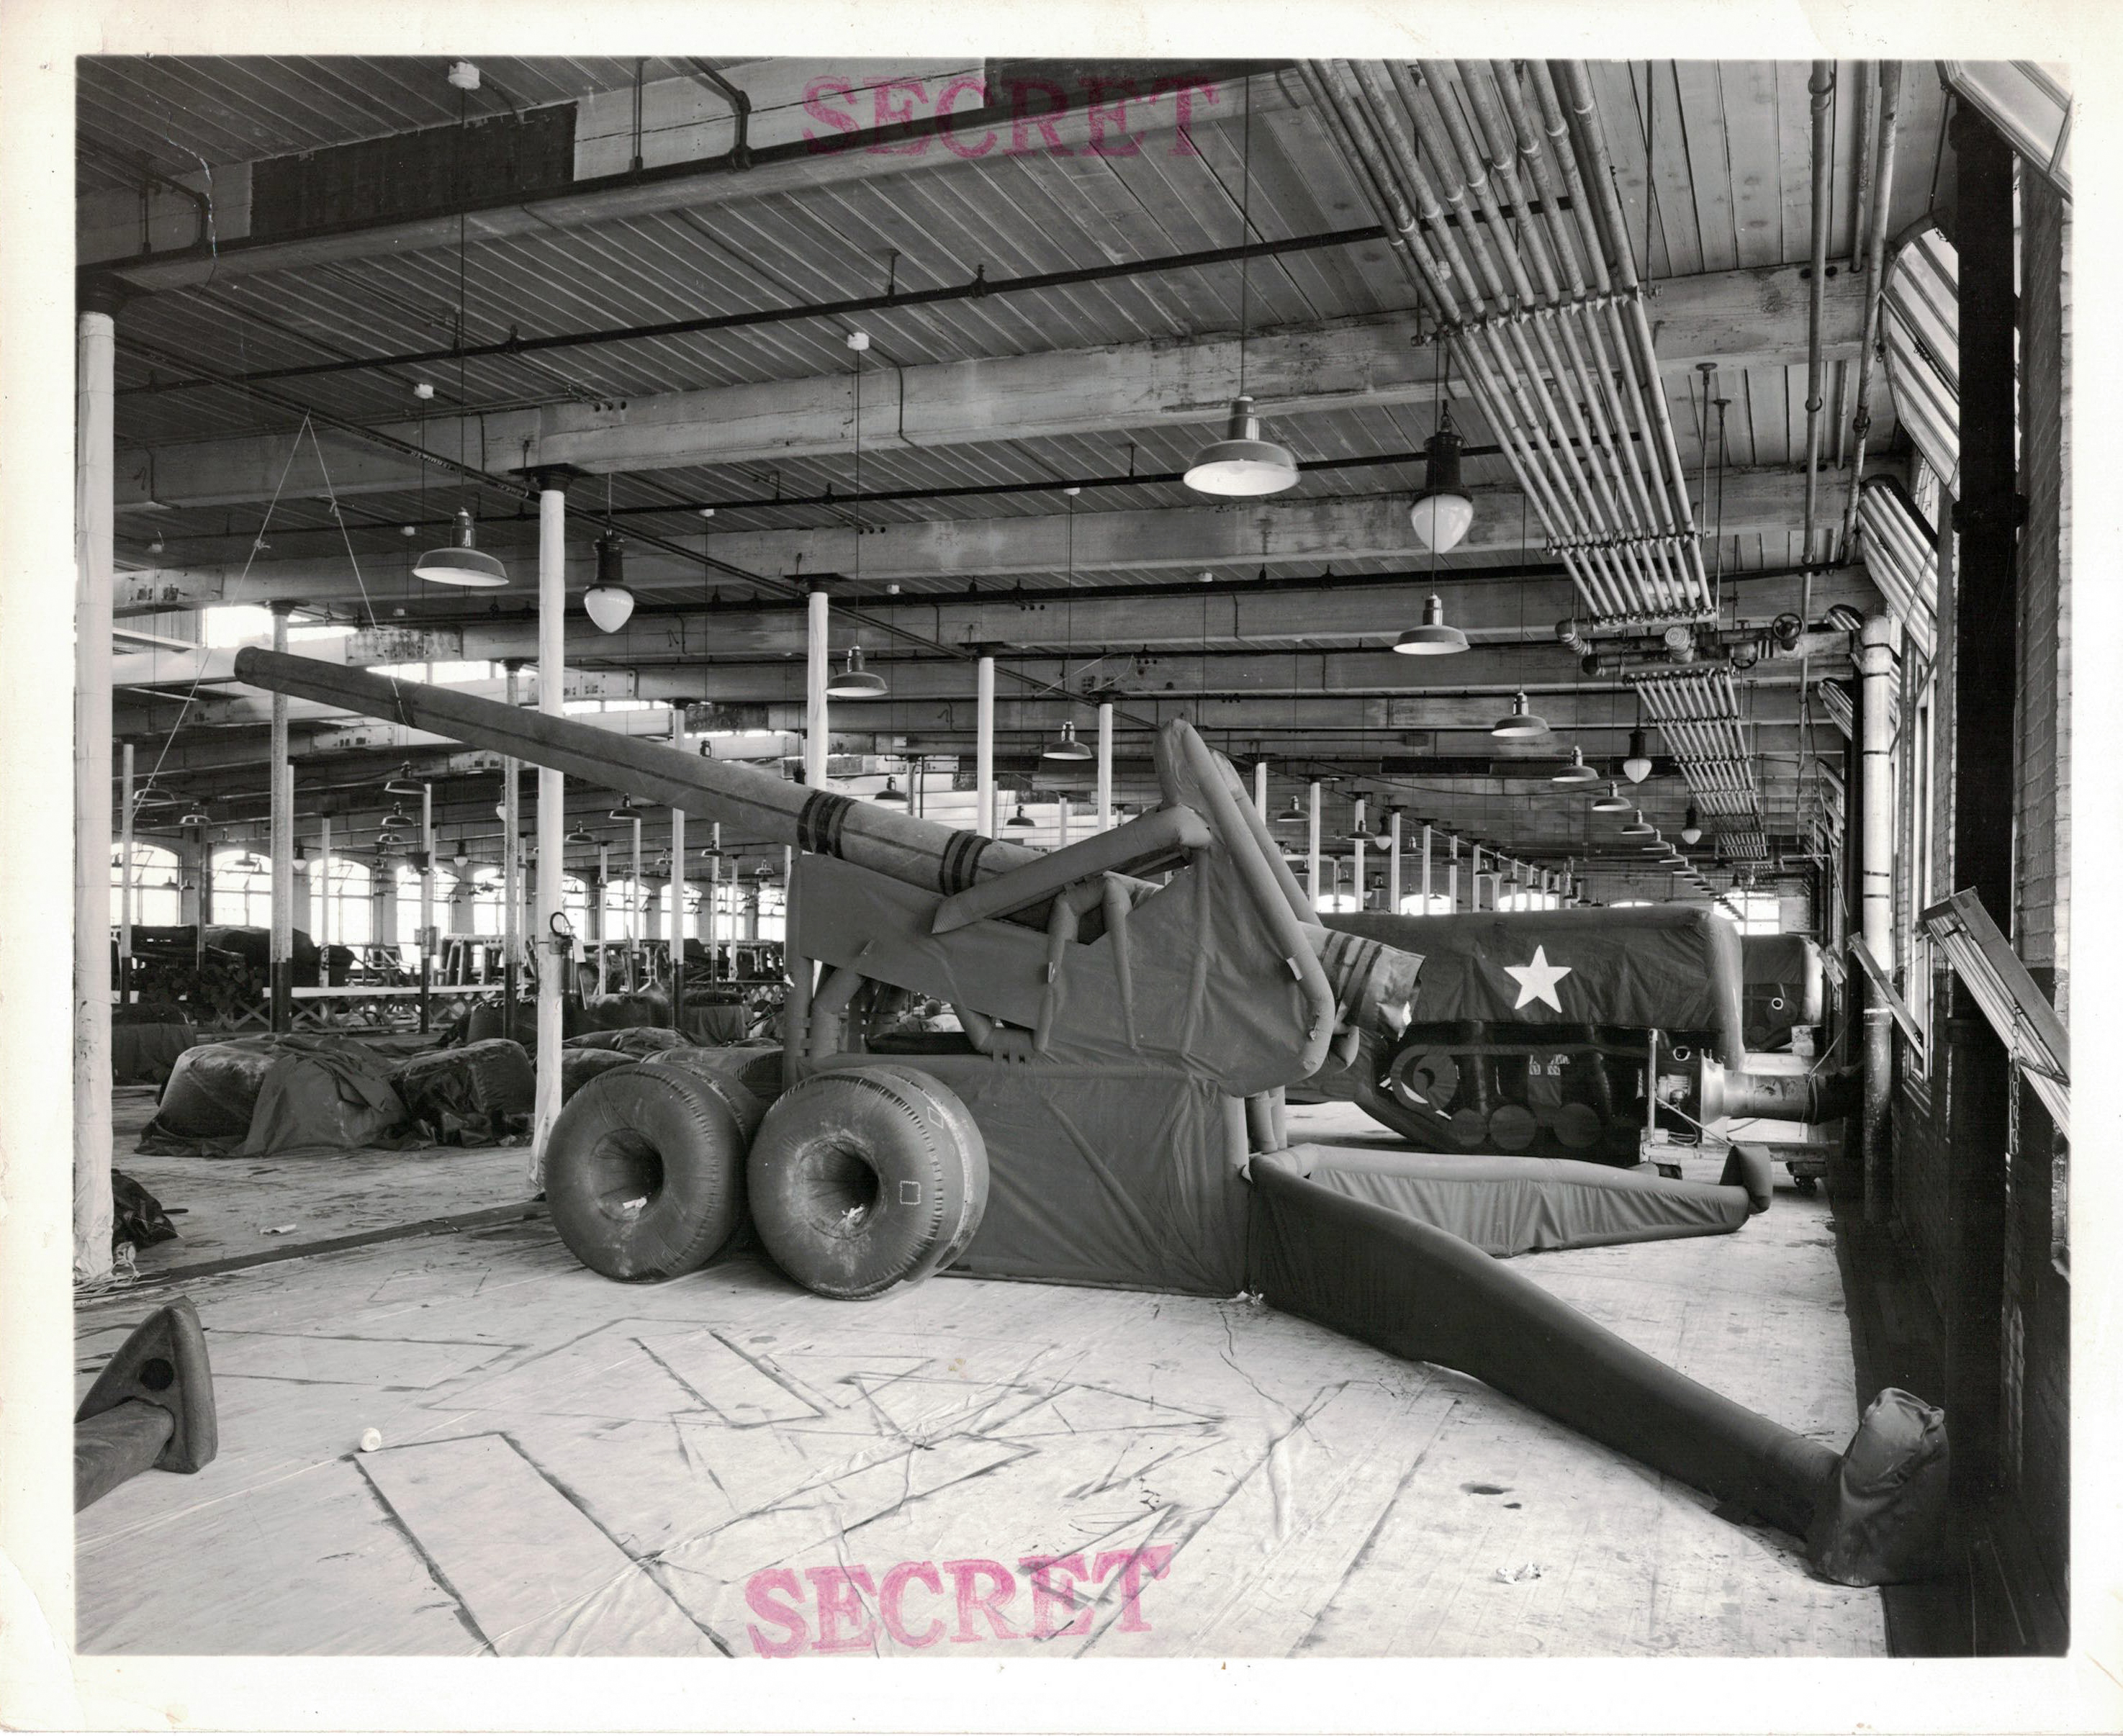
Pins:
<point x="1527" y="900"/>
<point x="626" y="912"/>
<point x="1757" y="913"/>
<point x="577" y="708"/>
<point x="242" y="889"/>
<point x="1411" y="904"/>
<point x="157" y="899"/>
<point x="486" y="902"/>
<point x="230" y="624"/>
<point x="350" y="922"/>
<point x="575" y="904"/>
<point x="408" y="883"/>
<point x="1335" y="904"/>
<point x="773" y="910"/>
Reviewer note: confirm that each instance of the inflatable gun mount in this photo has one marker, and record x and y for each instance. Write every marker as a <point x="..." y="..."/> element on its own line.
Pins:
<point x="151" y="1408"/>
<point x="1124" y="1046"/>
<point x="883" y="896"/>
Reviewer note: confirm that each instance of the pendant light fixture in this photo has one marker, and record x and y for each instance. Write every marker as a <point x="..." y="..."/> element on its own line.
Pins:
<point x="892" y="792"/>
<point x="1612" y="803"/>
<point x="1639" y="827"/>
<point x="855" y="682"/>
<point x="461" y="562"/>
<point x="1293" y="814"/>
<point x="1637" y="766"/>
<point x="1021" y="821"/>
<point x="1691" y="826"/>
<point x="1518" y="723"/>
<point x="1433" y="638"/>
<point x="608" y="603"/>
<point x="403" y="784"/>
<point x="462" y="857"/>
<point x="1442" y="513"/>
<point x="1577" y="771"/>
<point x="1243" y="464"/>
<point x="194" y="818"/>
<point x="1065" y="748"/>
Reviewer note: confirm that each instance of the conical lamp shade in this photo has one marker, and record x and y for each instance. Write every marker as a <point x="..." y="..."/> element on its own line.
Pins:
<point x="1518" y="723"/>
<point x="855" y="682"/>
<point x="1577" y="771"/>
<point x="1433" y="638"/>
<point x="1612" y="803"/>
<point x="1242" y="464"/>
<point x="461" y="562"/>
<point x="1066" y="746"/>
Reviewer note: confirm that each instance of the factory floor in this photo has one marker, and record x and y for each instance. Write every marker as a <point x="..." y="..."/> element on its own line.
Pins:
<point x="726" y="1465"/>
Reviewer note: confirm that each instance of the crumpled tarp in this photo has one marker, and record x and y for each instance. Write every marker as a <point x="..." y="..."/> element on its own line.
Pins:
<point x="1882" y="1520"/>
<point x="579" y="1066"/>
<point x="146" y="1054"/>
<point x="1669" y="967"/>
<point x="1121" y="1175"/>
<point x="137" y="1216"/>
<point x="277" y="1093"/>
<point x="635" y="1040"/>
<point x="474" y="1095"/>
<point x="1516" y="1205"/>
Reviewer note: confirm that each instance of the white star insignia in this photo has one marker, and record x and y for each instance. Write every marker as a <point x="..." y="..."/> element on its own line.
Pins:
<point x="1537" y="981"/>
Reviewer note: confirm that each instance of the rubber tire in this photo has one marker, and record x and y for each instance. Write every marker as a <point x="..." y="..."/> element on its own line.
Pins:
<point x="644" y="1174"/>
<point x="834" y="1229"/>
<point x="707" y="1069"/>
<point x="941" y="1100"/>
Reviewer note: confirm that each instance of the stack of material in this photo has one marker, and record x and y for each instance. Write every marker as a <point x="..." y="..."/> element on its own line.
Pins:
<point x="277" y="1095"/>
<point x="146" y="1039"/>
<point x="477" y="1095"/>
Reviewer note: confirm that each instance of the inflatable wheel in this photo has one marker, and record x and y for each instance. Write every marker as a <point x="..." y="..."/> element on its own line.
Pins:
<point x="707" y="1069"/>
<point x="1749" y="1167"/>
<point x="644" y="1174"/>
<point x="860" y="1179"/>
<point x="946" y="1102"/>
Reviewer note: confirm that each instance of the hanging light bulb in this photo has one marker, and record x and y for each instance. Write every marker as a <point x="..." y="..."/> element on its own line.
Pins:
<point x="1242" y="464"/>
<point x="855" y="682"/>
<point x="1639" y="827"/>
<point x="1577" y="771"/>
<point x="1637" y="766"/>
<point x="1612" y="803"/>
<point x="1519" y="723"/>
<point x="1433" y="638"/>
<point x="461" y="562"/>
<point x="462" y="857"/>
<point x="1442" y="512"/>
<point x="1691" y="826"/>
<point x="1066" y="746"/>
<point x="892" y="792"/>
<point x="608" y="603"/>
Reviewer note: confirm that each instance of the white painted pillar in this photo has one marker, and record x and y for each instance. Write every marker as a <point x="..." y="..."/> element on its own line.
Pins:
<point x="1105" y="768"/>
<point x="427" y="880"/>
<point x="1312" y="849"/>
<point x="1062" y="820"/>
<point x="818" y="654"/>
<point x="1474" y="879"/>
<point x="553" y="965"/>
<point x="93" y="463"/>
<point x="324" y="935"/>
<point x="637" y="915"/>
<point x="1452" y="880"/>
<point x="1426" y="870"/>
<point x="126" y="799"/>
<point x="604" y="881"/>
<point x="1260" y="788"/>
<point x="511" y="887"/>
<point x="1393" y="864"/>
<point x="1357" y="846"/>
<point x="675" y="890"/>
<point x="984" y="799"/>
<point x="282" y="835"/>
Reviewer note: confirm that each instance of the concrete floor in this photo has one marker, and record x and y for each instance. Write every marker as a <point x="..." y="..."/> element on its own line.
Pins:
<point x="727" y="1465"/>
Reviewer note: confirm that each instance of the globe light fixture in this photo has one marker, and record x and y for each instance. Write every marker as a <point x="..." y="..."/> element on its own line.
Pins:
<point x="1433" y="638"/>
<point x="1691" y="826"/>
<point x="461" y="562"/>
<point x="1637" y="766"/>
<point x="1442" y="513"/>
<point x="607" y="602"/>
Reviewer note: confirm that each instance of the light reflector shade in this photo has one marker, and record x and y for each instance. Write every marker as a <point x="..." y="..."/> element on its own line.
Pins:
<point x="461" y="562"/>
<point x="1066" y="746"/>
<point x="1518" y="723"/>
<point x="1433" y="638"/>
<point x="855" y="682"/>
<point x="1577" y="771"/>
<point x="1242" y="464"/>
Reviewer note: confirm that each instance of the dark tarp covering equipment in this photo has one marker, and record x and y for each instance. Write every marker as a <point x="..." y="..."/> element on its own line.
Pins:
<point x="205" y="1106"/>
<point x="473" y="1095"/>
<point x="1664" y="967"/>
<point x="253" y="1096"/>
<point x="1519" y="1205"/>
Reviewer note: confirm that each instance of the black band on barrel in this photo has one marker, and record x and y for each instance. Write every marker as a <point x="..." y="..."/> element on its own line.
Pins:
<point x="960" y="865"/>
<point x="823" y="817"/>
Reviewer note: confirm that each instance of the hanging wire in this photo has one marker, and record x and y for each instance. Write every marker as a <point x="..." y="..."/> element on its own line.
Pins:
<point x="1246" y="224"/>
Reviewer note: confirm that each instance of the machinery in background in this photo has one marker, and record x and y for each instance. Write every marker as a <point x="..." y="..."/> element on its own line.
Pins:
<point x="1783" y="991"/>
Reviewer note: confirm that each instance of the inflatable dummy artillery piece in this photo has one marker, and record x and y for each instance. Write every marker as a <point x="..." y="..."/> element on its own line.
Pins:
<point x="1131" y="1007"/>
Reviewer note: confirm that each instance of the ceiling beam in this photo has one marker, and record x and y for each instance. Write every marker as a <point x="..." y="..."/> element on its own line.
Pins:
<point x="1737" y="319"/>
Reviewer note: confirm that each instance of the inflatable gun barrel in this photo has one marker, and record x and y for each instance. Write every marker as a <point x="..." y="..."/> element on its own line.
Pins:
<point x="1776" y="1096"/>
<point x="916" y="852"/>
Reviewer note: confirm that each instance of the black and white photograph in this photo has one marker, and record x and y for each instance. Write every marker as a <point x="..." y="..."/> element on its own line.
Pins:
<point x="903" y="847"/>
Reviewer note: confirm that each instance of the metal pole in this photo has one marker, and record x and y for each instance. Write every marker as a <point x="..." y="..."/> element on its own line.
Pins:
<point x="93" y="464"/>
<point x="1356" y="842"/>
<point x="512" y="893"/>
<point x="427" y="897"/>
<point x="1105" y="767"/>
<point x="554" y="956"/>
<point x="603" y="897"/>
<point x="1452" y="880"/>
<point x="1876" y="907"/>
<point x="817" y="651"/>
<point x="1393" y="865"/>
<point x="984" y="803"/>
<point x="676" y="892"/>
<point x="1312" y="850"/>
<point x="325" y="903"/>
<point x="1474" y="879"/>
<point x="1426" y="869"/>
<point x="282" y="954"/>
<point x="125" y="882"/>
<point x="636" y="912"/>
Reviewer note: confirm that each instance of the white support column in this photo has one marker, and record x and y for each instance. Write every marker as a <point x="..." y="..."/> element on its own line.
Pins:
<point x="282" y="835"/>
<point x="1393" y="864"/>
<point x="818" y="654"/>
<point x="637" y="915"/>
<point x="604" y="880"/>
<point x="675" y="890"/>
<point x="1452" y="880"/>
<point x="553" y="964"/>
<point x="1356" y="847"/>
<point x="93" y="463"/>
<point x="1061" y="821"/>
<point x="1426" y="869"/>
<point x="325" y="897"/>
<point x="1105" y="768"/>
<point x="1876" y="905"/>
<point x="126" y="877"/>
<point x="984" y="799"/>
<point x="1312" y="849"/>
<point x="1260" y="788"/>
<point x="1474" y="879"/>
<point x="427" y="937"/>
